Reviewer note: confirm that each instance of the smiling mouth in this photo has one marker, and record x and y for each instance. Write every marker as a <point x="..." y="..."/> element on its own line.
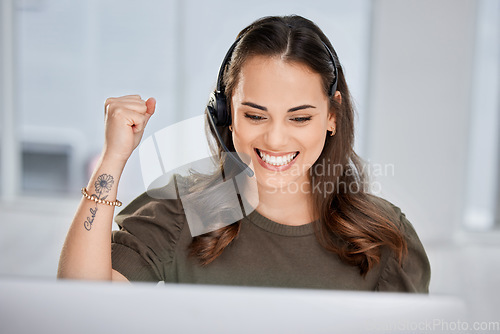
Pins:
<point x="277" y="160"/>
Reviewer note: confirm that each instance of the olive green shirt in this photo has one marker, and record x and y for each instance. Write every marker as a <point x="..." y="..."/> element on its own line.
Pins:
<point x="152" y="245"/>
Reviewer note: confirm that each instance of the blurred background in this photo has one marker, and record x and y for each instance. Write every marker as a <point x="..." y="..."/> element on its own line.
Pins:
<point x="424" y="75"/>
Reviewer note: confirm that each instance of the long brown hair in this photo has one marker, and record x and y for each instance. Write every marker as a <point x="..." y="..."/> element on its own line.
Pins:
<point x="352" y="223"/>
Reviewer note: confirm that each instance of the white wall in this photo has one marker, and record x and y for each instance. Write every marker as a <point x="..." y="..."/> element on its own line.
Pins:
<point x="482" y="192"/>
<point x="9" y="148"/>
<point x="421" y="70"/>
<point x="420" y="109"/>
<point x="72" y="56"/>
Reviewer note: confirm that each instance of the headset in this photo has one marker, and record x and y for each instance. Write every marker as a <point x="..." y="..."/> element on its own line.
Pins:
<point x="218" y="115"/>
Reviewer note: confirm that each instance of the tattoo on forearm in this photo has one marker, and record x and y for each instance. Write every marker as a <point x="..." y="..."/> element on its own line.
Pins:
<point x="102" y="186"/>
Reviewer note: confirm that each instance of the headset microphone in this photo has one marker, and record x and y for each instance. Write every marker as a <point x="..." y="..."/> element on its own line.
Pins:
<point x="238" y="162"/>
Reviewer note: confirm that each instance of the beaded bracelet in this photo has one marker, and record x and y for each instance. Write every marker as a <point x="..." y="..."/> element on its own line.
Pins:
<point x="100" y="201"/>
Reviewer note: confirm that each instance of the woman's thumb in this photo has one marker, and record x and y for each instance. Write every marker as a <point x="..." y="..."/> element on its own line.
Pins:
<point x="151" y="105"/>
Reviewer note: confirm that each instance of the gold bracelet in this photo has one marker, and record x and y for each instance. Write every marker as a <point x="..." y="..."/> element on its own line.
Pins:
<point x="100" y="201"/>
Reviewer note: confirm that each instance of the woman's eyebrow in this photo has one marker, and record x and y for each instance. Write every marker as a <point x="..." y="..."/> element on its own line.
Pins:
<point x="304" y="106"/>
<point x="256" y="106"/>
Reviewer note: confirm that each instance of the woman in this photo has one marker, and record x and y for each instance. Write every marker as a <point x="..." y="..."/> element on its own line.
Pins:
<point x="315" y="226"/>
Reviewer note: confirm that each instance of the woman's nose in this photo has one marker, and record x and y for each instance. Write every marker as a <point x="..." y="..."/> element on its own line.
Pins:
<point x="276" y="136"/>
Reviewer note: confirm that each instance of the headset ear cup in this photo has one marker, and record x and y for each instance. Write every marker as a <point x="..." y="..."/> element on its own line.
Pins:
<point x="217" y="107"/>
<point x="212" y="108"/>
<point x="223" y="116"/>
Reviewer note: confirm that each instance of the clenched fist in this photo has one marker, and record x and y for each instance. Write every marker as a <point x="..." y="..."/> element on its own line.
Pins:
<point x="125" y="118"/>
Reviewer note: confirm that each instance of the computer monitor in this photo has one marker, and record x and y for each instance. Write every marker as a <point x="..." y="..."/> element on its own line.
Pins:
<point x="33" y="306"/>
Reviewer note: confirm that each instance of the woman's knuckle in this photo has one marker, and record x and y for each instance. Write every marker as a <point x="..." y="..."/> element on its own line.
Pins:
<point x="109" y="100"/>
<point x="119" y="110"/>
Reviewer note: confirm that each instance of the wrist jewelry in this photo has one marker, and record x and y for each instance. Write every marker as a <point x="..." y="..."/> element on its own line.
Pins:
<point x="100" y="201"/>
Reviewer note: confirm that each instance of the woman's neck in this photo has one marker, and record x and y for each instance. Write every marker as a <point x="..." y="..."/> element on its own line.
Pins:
<point x="288" y="208"/>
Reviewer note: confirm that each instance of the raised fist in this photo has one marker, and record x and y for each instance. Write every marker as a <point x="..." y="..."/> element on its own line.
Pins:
<point x="125" y="120"/>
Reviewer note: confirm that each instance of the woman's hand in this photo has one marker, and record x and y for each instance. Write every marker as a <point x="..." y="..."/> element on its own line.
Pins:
<point x="125" y="120"/>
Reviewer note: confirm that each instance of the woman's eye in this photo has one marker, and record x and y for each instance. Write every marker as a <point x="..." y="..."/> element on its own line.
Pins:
<point x="301" y="119"/>
<point x="254" y="117"/>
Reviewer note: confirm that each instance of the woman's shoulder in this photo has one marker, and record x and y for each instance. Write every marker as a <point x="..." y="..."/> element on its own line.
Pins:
<point x="383" y="203"/>
<point x="159" y="206"/>
<point x="145" y="204"/>
<point x="163" y="199"/>
<point x="392" y="211"/>
<point x="150" y="227"/>
<point x="398" y="218"/>
<point x="412" y="274"/>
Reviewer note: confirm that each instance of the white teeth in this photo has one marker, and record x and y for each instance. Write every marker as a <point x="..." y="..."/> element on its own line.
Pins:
<point x="277" y="160"/>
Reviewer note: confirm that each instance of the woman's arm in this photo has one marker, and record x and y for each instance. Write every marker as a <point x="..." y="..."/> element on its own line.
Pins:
<point x="86" y="253"/>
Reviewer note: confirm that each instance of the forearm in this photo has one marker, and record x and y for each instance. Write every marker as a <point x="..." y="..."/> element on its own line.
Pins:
<point x="86" y="253"/>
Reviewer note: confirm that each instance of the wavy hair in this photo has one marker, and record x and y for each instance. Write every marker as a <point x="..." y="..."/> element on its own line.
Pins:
<point x="352" y="223"/>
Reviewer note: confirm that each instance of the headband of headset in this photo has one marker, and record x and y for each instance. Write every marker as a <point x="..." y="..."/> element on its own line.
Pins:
<point x="217" y="104"/>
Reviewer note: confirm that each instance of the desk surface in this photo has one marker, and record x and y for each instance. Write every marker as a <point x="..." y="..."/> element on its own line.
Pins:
<point x="32" y="306"/>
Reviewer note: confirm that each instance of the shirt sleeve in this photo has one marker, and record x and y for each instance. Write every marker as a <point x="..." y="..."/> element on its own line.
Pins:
<point x="144" y="246"/>
<point x="413" y="274"/>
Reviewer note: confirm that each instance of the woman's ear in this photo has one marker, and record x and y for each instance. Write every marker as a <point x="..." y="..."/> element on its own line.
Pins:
<point x="332" y="120"/>
<point x="338" y="97"/>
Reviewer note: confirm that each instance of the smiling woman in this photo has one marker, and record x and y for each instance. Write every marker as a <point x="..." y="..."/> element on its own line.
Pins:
<point x="281" y="100"/>
<point x="284" y="132"/>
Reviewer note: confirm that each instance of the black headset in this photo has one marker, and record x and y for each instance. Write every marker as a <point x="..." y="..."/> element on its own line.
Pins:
<point x="217" y="103"/>
<point x="218" y="115"/>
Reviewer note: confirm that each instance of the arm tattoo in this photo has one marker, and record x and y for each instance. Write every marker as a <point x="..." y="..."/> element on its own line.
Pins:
<point x="102" y="186"/>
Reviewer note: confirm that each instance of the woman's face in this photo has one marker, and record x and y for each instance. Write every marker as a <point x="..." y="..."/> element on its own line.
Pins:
<point x="280" y="119"/>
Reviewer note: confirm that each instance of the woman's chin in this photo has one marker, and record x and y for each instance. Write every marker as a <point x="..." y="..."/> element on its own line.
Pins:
<point x="284" y="184"/>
